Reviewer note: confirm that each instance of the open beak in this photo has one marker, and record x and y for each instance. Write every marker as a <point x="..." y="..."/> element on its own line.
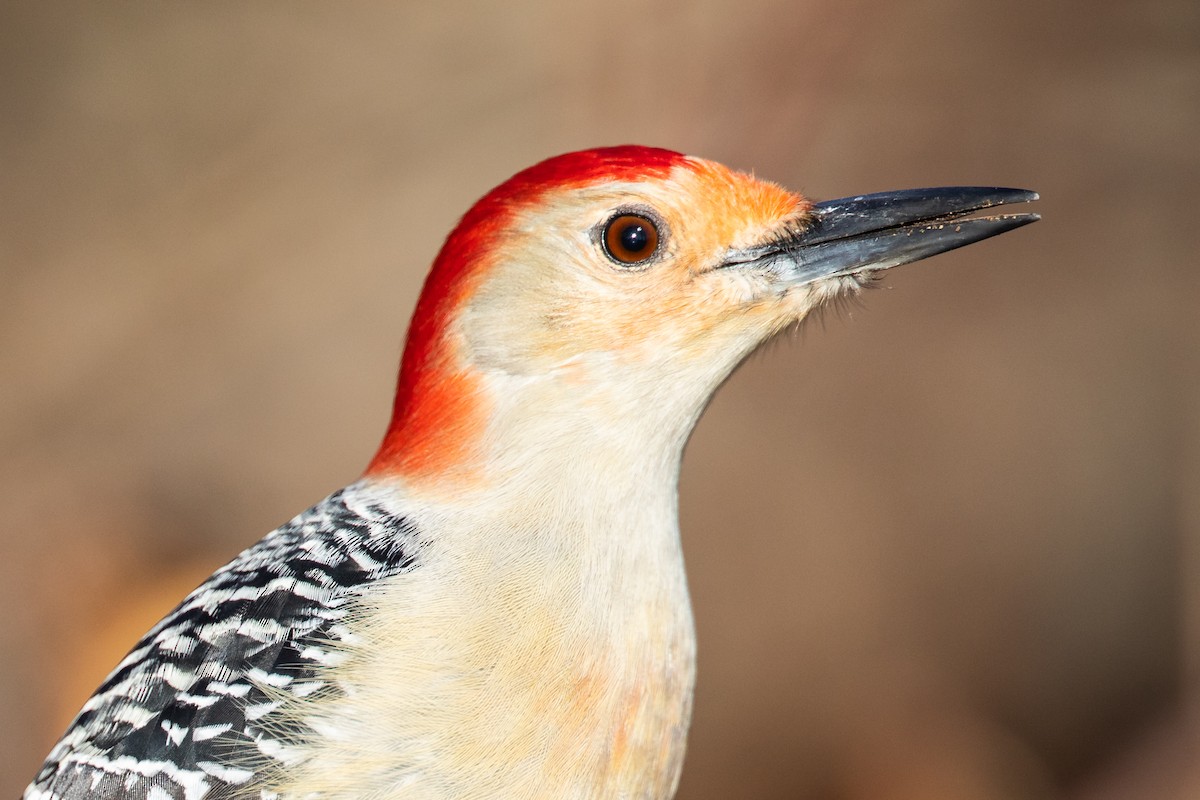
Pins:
<point x="873" y="232"/>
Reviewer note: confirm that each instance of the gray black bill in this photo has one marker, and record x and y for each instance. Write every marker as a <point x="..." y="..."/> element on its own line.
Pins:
<point x="874" y="232"/>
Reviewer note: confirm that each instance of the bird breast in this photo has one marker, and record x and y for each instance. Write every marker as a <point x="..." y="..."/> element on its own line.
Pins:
<point x="523" y="658"/>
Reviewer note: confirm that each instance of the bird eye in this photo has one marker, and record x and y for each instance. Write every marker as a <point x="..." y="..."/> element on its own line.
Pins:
<point x="631" y="238"/>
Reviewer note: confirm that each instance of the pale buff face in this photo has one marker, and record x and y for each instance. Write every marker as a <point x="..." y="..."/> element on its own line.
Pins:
<point x="553" y="301"/>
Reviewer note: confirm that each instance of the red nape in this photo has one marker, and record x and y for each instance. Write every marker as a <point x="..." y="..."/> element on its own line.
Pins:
<point x="437" y="411"/>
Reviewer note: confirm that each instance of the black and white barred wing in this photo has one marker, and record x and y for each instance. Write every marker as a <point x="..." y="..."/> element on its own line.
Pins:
<point x="187" y="714"/>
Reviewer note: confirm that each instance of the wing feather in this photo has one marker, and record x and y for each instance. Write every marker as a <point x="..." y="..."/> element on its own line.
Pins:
<point x="187" y="714"/>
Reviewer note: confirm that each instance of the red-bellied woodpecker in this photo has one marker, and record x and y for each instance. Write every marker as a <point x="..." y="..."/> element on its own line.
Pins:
<point x="498" y="608"/>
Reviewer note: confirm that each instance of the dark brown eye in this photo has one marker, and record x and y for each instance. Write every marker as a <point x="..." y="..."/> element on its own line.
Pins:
<point x="630" y="238"/>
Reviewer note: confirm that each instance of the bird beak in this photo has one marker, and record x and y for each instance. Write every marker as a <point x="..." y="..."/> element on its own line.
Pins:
<point x="873" y="232"/>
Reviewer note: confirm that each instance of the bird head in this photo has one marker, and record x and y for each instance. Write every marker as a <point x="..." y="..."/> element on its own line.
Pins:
<point x="610" y="291"/>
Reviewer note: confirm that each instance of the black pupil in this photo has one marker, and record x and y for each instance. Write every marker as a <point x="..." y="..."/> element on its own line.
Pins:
<point x="634" y="237"/>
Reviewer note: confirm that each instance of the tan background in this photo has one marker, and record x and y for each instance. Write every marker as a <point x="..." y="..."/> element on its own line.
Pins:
<point x="943" y="543"/>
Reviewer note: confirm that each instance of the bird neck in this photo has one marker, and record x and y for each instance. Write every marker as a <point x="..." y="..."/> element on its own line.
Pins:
<point x="460" y="432"/>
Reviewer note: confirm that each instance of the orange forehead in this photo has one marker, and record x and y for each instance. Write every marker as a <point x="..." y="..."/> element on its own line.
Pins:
<point x="724" y="208"/>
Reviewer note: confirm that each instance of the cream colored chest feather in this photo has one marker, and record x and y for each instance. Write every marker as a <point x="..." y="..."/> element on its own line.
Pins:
<point x="481" y="674"/>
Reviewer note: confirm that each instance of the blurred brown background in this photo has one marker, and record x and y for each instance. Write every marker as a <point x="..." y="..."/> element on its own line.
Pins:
<point x="943" y="544"/>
